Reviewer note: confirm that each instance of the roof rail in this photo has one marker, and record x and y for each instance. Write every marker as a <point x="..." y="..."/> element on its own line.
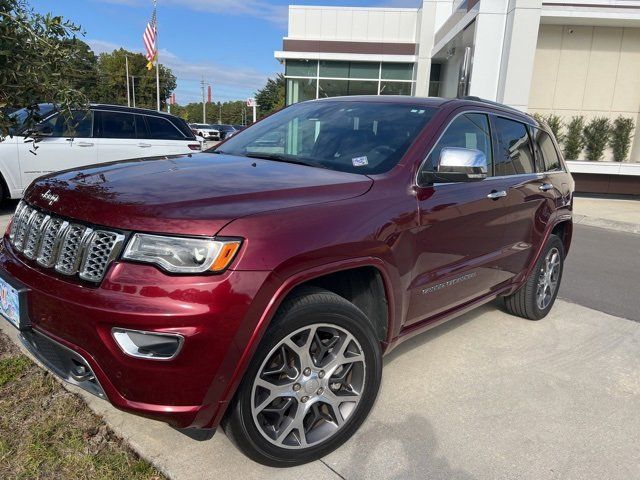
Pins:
<point x="495" y="104"/>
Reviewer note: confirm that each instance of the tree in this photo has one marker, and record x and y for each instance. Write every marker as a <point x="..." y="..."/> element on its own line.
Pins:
<point x="112" y="84"/>
<point x="41" y="61"/>
<point x="621" y="135"/>
<point x="573" y="141"/>
<point x="596" y="137"/>
<point x="271" y="97"/>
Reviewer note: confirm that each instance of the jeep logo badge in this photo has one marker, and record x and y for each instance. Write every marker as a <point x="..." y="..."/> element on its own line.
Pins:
<point x="50" y="197"/>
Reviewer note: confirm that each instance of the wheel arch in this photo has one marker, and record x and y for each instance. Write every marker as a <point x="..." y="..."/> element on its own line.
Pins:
<point x="320" y="276"/>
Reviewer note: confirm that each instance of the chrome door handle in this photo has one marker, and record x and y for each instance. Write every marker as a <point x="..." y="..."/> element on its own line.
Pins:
<point x="84" y="144"/>
<point x="545" y="186"/>
<point x="144" y="145"/>
<point x="497" y="194"/>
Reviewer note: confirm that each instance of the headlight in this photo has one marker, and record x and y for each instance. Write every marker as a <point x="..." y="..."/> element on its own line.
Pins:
<point x="182" y="255"/>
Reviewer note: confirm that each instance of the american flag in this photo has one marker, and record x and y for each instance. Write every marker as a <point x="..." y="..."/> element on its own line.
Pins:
<point x="149" y="38"/>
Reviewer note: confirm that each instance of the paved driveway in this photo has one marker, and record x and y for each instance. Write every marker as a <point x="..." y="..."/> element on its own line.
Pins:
<point x="486" y="396"/>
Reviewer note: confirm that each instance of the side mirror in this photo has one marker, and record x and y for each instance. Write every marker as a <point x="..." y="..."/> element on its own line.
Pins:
<point x="459" y="165"/>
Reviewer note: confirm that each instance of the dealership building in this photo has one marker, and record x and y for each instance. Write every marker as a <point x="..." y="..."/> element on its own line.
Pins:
<point x="541" y="56"/>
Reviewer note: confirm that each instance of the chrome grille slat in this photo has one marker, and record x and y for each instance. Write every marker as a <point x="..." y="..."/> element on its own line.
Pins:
<point x="16" y="220"/>
<point x="32" y="242"/>
<point x="23" y="227"/>
<point x="70" y="248"/>
<point x="98" y="254"/>
<point x="50" y="243"/>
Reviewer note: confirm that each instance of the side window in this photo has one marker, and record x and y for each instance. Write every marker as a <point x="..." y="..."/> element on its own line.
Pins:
<point x="549" y="152"/>
<point x="513" y="153"/>
<point x="79" y="125"/>
<point x="118" y="125"/>
<point x="470" y="130"/>
<point x="141" y="127"/>
<point x="163" y="129"/>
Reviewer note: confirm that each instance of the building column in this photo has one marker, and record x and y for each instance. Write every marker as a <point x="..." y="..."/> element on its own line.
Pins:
<point x="431" y="16"/>
<point x="506" y="34"/>
<point x="519" y="52"/>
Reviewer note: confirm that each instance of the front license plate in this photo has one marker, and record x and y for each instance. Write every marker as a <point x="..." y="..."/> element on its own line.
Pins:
<point x="11" y="304"/>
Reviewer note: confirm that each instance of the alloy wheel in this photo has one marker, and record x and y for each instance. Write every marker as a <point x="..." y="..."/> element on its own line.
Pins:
<point x="548" y="278"/>
<point x="308" y="386"/>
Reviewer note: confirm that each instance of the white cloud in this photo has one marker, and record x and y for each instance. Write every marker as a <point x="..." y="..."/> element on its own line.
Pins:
<point x="228" y="83"/>
<point x="276" y="14"/>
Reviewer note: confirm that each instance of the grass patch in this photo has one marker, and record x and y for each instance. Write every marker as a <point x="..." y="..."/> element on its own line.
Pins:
<point x="47" y="432"/>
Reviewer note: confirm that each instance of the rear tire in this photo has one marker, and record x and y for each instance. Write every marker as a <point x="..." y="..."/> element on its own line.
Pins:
<point x="311" y="383"/>
<point x="536" y="297"/>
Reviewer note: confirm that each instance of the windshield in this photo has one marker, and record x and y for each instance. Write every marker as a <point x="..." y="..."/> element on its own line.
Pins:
<point x="349" y="136"/>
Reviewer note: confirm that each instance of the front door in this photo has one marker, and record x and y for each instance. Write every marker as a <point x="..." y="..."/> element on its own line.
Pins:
<point x="461" y="238"/>
<point x="64" y="143"/>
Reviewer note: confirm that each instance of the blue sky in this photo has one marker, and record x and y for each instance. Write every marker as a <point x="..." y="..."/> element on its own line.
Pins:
<point x="231" y="42"/>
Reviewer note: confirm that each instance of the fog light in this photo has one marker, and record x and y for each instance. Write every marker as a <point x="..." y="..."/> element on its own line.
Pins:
<point x="149" y="345"/>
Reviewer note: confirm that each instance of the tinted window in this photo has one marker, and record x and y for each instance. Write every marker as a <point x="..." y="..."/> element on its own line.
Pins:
<point x="514" y="155"/>
<point x="350" y="136"/>
<point x="162" y="129"/>
<point x="549" y="152"/>
<point x="118" y="125"/>
<point x="79" y="125"/>
<point x="471" y="131"/>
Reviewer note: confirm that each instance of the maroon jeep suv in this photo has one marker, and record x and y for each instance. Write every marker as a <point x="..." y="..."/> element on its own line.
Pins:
<point x="258" y="285"/>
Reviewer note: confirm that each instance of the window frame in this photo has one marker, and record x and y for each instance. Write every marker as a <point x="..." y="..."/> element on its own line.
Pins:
<point x="527" y="127"/>
<point x="452" y="119"/>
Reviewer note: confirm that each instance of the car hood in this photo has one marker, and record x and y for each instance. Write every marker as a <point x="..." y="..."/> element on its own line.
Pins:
<point x="189" y="195"/>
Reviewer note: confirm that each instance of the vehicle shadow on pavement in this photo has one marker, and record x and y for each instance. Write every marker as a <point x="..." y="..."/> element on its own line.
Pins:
<point x="411" y="447"/>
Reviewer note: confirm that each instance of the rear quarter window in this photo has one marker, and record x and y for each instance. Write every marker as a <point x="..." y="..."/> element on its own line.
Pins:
<point x="163" y="129"/>
<point x="549" y="153"/>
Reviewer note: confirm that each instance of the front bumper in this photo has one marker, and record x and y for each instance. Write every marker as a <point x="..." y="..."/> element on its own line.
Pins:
<point x="71" y="324"/>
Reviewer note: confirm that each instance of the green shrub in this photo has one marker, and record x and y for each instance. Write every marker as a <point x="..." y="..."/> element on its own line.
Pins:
<point x="596" y="137"/>
<point x="621" y="135"/>
<point x="554" y="122"/>
<point x="573" y="142"/>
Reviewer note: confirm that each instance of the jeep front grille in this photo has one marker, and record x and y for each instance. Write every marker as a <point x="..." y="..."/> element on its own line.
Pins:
<point x="70" y="248"/>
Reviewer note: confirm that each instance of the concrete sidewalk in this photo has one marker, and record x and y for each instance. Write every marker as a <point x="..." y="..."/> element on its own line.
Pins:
<point x="485" y="396"/>
<point x="607" y="212"/>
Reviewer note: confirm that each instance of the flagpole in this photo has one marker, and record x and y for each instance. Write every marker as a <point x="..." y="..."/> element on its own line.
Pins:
<point x="157" y="58"/>
<point x="126" y="63"/>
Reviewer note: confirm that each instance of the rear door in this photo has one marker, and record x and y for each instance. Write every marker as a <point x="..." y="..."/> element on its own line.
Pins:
<point x="528" y="209"/>
<point x="68" y="143"/>
<point x="119" y="134"/>
<point x="461" y="237"/>
<point x="164" y="138"/>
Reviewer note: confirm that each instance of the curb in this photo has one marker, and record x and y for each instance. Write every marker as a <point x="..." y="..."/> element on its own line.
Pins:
<point x="616" y="225"/>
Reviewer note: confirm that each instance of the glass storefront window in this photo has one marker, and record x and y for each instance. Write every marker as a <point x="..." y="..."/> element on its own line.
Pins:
<point x="397" y="71"/>
<point x="300" y="89"/>
<point x="301" y="68"/>
<point x="395" y="88"/>
<point x="337" y="88"/>
<point x="335" y="69"/>
<point x="364" y="70"/>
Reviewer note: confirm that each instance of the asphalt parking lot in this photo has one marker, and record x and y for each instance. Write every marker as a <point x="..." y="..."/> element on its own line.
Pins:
<point x="485" y="396"/>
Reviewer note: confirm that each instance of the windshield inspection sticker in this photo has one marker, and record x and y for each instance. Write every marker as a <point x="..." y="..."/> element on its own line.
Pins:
<point x="360" y="161"/>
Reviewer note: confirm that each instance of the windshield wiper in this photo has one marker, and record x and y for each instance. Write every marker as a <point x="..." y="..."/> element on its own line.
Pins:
<point x="284" y="158"/>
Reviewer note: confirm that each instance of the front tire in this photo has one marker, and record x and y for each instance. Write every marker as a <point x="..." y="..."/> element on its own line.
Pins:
<point x="311" y="383"/>
<point x="536" y="297"/>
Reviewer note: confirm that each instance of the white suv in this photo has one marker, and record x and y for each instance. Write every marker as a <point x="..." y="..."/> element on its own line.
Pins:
<point x="106" y="133"/>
